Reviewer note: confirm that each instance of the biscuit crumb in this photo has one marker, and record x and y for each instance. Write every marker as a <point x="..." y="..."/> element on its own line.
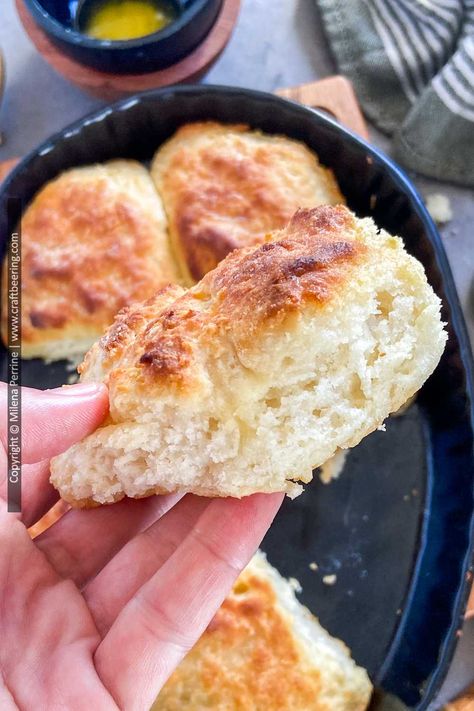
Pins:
<point x="295" y="585"/>
<point x="313" y="565"/>
<point x="439" y="207"/>
<point x="330" y="579"/>
<point x="333" y="467"/>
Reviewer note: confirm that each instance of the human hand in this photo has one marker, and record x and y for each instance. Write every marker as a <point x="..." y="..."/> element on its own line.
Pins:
<point x="98" y="610"/>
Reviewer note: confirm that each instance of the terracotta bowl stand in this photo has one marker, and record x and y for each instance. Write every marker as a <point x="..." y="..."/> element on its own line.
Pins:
<point x="113" y="86"/>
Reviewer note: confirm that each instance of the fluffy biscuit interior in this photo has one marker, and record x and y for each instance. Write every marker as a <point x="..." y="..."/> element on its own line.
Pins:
<point x="254" y="377"/>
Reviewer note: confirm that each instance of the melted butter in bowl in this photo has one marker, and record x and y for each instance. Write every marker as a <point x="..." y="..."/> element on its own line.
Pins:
<point x="124" y="19"/>
<point x="125" y="36"/>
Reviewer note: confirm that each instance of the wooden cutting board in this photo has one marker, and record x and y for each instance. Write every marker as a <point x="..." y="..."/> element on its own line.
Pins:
<point x="469" y="614"/>
<point x="463" y="703"/>
<point x="6" y="166"/>
<point x="334" y="95"/>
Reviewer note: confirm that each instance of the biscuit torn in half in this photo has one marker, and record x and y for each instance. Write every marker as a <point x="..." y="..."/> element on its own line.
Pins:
<point x="265" y="651"/>
<point x="258" y="374"/>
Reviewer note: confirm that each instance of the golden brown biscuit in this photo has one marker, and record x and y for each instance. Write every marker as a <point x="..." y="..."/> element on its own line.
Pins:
<point x="264" y="651"/>
<point x="93" y="241"/>
<point x="255" y="376"/>
<point x="224" y="186"/>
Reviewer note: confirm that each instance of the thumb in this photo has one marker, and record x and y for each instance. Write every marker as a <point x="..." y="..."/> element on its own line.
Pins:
<point x="53" y="420"/>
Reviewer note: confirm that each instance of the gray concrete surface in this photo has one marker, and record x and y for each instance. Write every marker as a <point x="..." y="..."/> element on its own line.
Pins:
<point x="275" y="44"/>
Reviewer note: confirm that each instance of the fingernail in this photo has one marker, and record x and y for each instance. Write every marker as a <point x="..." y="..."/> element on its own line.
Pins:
<point x="79" y="389"/>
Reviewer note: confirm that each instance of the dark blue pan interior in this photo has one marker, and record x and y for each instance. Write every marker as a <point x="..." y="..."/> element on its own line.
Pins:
<point x="396" y="528"/>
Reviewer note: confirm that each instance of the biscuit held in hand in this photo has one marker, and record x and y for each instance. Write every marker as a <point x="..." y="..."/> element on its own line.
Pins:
<point x="256" y="375"/>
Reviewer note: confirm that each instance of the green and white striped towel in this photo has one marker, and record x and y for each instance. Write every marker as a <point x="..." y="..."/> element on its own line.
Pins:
<point x="412" y="65"/>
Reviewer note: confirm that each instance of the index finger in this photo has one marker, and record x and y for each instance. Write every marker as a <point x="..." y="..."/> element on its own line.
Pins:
<point x="53" y="420"/>
<point x="170" y="612"/>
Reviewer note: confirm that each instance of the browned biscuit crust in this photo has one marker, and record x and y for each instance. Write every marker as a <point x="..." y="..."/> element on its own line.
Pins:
<point x="253" y="657"/>
<point x="93" y="241"/>
<point x="224" y="187"/>
<point x="250" y="290"/>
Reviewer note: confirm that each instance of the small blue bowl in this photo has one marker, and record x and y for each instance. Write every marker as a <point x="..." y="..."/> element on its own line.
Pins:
<point x="194" y="19"/>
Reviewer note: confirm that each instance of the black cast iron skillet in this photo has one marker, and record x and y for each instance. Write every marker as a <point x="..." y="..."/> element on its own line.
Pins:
<point x="397" y="527"/>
